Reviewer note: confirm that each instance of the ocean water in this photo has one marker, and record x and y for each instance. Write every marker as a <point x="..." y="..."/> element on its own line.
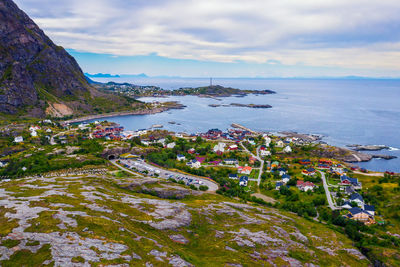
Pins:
<point x="343" y="111"/>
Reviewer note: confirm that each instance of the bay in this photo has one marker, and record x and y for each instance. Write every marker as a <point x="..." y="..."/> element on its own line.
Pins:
<point x="344" y="111"/>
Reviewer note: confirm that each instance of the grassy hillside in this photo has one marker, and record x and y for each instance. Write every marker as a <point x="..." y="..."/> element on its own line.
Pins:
<point x="95" y="219"/>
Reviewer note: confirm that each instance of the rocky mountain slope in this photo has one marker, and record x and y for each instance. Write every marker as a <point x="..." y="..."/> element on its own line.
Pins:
<point x="101" y="219"/>
<point x="37" y="76"/>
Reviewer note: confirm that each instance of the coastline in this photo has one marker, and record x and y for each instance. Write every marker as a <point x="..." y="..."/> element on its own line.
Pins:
<point x="125" y="113"/>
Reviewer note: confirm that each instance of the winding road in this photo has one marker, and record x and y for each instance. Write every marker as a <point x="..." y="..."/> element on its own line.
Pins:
<point x="212" y="186"/>
<point x="257" y="157"/>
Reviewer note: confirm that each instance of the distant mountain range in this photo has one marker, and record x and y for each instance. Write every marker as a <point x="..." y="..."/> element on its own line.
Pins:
<point x="106" y="75"/>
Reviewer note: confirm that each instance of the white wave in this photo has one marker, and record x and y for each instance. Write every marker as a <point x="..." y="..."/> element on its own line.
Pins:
<point x="393" y="149"/>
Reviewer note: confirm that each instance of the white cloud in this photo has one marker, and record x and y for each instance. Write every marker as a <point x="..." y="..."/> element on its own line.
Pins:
<point x="342" y="33"/>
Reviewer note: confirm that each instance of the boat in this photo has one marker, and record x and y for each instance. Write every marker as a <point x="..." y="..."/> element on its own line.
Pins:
<point x="157" y="126"/>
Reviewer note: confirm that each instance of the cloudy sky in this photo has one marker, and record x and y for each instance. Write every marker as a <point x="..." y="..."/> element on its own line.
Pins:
<point x="226" y="38"/>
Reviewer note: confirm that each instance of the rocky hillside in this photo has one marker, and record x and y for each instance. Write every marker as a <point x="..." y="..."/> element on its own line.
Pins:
<point x="37" y="76"/>
<point x="100" y="219"/>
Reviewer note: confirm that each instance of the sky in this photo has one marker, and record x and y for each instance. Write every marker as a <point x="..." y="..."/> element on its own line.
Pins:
<point x="226" y="38"/>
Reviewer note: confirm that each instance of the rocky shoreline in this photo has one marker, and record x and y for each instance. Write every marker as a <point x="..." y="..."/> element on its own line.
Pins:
<point x="175" y="105"/>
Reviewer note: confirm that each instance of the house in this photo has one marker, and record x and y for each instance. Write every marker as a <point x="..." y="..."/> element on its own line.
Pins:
<point x="34" y="134"/>
<point x="274" y="164"/>
<point x="231" y="161"/>
<point x="191" y="151"/>
<point x="323" y="166"/>
<point x="285" y="178"/>
<point x="267" y="140"/>
<point x="141" y="131"/>
<point x="309" y="172"/>
<point x="220" y="147"/>
<point x="287" y="149"/>
<point x="282" y="171"/>
<point x="252" y="160"/>
<point x="194" y="164"/>
<point x="265" y="153"/>
<point x="244" y="180"/>
<point x="370" y="209"/>
<point x="48" y="130"/>
<point x="358" y="214"/>
<point x="171" y="145"/>
<point x="305" y="186"/>
<point x="245" y="170"/>
<point x="180" y="157"/>
<point x="349" y="190"/>
<point x="233" y="147"/>
<point x="357" y="198"/>
<point x="18" y="139"/>
<point x="280" y="143"/>
<point x="345" y="180"/>
<point x="251" y="141"/>
<point x="305" y="162"/>
<point x="325" y="161"/>
<point x="347" y="205"/>
<point x="232" y="176"/>
<point x="278" y="185"/>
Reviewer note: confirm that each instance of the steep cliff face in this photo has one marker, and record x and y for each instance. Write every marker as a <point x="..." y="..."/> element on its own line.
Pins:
<point x="34" y="72"/>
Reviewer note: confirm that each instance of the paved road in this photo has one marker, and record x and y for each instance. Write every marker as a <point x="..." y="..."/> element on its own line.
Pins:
<point x="163" y="173"/>
<point x="328" y="194"/>
<point x="257" y="157"/>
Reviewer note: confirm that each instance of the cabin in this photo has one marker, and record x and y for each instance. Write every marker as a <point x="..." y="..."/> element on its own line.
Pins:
<point x="233" y="147"/>
<point x="191" y="151"/>
<point x="18" y="139"/>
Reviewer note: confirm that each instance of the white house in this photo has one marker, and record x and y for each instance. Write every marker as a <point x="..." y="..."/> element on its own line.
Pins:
<point x="179" y="135"/>
<point x="265" y="153"/>
<point x="251" y="141"/>
<point x="244" y="180"/>
<point x="194" y="164"/>
<point x="180" y="157"/>
<point x="267" y="140"/>
<point x="49" y="130"/>
<point x="171" y="145"/>
<point x="219" y="147"/>
<point x="141" y="131"/>
<point x="34" y="134"/>
<point x="231" y="161"/>
<point x="279" y="143"/>
<point x="287" y="149"/>
<point x="18" y="139"/>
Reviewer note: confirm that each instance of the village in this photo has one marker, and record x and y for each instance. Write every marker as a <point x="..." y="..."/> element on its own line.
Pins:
<point x="260" y="164"/>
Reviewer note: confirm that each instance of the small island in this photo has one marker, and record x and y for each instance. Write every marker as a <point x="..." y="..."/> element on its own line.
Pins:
<point x="241" y="105"/>
<point x="212" y="91"/>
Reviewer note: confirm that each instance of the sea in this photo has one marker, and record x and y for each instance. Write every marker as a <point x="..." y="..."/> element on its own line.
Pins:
<point x="343" y="111"/>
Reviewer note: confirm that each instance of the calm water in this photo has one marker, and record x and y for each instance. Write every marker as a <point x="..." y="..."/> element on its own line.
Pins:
<point x="344" y="111"/>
